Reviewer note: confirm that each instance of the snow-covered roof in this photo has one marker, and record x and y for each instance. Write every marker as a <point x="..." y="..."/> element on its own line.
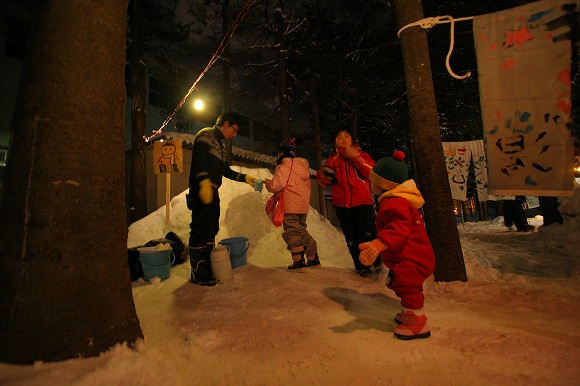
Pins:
<point x="257" y="158"/>
<point x="236" y="151"/>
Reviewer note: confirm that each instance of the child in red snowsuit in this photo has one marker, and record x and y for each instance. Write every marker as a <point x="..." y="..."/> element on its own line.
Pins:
<point x="402" y="242"/>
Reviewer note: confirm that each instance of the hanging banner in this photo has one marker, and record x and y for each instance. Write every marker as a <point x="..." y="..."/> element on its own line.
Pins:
<point x="523" y="59"/>
<point x="168" y="156"/>
<point x="479" y="165"/>
<point x="457" y="165"/>
<point x="460" y="159"/>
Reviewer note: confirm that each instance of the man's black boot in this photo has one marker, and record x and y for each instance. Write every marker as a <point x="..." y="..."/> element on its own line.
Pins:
<point x="199" y="258"/>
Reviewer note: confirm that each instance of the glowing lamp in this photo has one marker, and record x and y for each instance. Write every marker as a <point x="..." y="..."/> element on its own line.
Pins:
<point x="198" y="104"/>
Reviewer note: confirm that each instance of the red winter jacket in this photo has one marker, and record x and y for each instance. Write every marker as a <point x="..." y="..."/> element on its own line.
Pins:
<point x="400" y="224"/>
<point x="352" y="187"/>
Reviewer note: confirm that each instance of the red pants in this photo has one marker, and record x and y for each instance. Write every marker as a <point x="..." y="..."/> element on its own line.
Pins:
<point x="406" y="278"/>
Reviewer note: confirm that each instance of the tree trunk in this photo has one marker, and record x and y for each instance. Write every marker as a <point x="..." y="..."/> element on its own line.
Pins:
<point x="355" y="115"/>
<point x="282" y="82"/>
<point x="226" y="73"/>
<point x="317" y="144"/>
<point x="66" y="290"/>
<point x="427" y="146"/>
<point x="135" y="56"/>
<point x="352" y="96"/>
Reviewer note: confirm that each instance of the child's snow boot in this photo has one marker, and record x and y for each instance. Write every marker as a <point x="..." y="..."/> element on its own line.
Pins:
<point x="378" y="264"/>
<point x="412" y="325"/>
<point x="298" y="261"/>
<point x="399" y="318"/>
<point x="365" y="272"/>
<point x="313" y="262"/>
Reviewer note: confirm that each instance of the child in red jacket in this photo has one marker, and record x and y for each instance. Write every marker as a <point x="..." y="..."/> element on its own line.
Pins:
<point x="402" y="243"/>
<point x="347" y="171"/>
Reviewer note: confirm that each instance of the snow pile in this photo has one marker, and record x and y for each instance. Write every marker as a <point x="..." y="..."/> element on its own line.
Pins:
<point x="243" y="214"/>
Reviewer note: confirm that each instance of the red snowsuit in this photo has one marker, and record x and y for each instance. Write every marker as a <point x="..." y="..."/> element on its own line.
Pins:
<point x="409" y="257"/>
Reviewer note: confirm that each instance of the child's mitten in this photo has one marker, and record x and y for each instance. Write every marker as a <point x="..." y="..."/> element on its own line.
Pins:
<point x="370" y="251"/>
<point x="325" y="176"/>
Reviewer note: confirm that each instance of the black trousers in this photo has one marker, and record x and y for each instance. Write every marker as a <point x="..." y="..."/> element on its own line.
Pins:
<point x="513" y="212"/>
<point x="549" y="207"/>
<point x="358" y="225"/>
<point x="205" y="220"/>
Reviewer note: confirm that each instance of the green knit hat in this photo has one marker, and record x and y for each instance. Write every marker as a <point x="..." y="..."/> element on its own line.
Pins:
<point x="390" y="171"/>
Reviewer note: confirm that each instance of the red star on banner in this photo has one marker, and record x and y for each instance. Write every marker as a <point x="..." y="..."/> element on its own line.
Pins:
<point x="518" y="37"/>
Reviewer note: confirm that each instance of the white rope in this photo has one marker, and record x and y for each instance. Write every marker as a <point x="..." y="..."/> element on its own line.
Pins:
<point x="430" y="22"/>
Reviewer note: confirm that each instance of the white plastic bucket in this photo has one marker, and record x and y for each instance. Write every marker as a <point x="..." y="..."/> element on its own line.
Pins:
<point x="221" y="264"/>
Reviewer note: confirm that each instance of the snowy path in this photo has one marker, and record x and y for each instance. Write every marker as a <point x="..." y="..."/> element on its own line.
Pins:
<point x="514" y="322"/>
<point x="328" y="326"/>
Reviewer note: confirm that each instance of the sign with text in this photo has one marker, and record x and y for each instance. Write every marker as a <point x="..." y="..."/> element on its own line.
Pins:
<point x="168" y="156"/>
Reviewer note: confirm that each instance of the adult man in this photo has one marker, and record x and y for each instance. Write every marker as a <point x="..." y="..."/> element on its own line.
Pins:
<point x="208" y="166"/>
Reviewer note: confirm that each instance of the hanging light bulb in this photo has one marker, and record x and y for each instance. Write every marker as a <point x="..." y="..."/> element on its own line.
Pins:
<point x="198" y="104"/>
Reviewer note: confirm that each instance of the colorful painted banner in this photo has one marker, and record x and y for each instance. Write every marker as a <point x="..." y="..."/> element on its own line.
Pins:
<point x="460" y="158"/>
<point x="523" y="59"/>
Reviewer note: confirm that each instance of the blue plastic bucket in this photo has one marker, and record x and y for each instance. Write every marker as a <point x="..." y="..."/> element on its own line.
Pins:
<point x="238" y="248"/>
<point x="156" y="263"/>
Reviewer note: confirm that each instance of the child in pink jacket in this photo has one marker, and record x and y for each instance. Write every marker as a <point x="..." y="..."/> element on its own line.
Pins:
<point x="402" y="243"/>
<point x="292" y="175"/>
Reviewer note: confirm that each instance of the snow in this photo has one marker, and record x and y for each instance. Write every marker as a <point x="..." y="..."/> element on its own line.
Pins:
<point x="514" y="322"/>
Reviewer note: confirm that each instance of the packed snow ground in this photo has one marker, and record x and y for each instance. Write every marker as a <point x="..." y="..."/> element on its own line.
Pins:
<point x="514" y="322"/>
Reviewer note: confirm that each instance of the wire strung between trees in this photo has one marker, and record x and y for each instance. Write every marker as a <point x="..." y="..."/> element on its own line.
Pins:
<point x="430" y="22"/>
<point x="219" y="51"/>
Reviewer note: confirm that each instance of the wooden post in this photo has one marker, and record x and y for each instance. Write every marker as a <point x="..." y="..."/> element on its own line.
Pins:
<point x="167" y="198"/>
<point x="427" y="146"/>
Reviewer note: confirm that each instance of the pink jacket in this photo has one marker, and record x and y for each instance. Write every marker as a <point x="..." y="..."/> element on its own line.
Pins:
<point x="297" y="193"/>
